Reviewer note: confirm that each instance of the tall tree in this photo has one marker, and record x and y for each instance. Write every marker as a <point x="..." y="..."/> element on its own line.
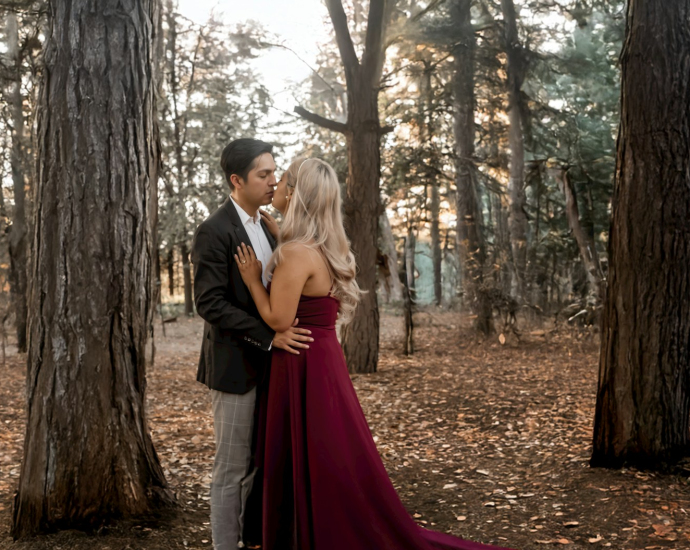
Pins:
<point x="88" y="455"/>
<point x="471" y="245"/>
<point x="516" y="188"/>
<point x="360" y="339"/>
<point x="434" y="182"/>
<point x="18" y="231"/>
<point x="643" y="400"/>
<point x="179" y="134"/>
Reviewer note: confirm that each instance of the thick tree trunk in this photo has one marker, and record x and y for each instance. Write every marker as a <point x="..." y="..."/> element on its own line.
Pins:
<point x="516" y="187"/>
<point x="187" y="275"/>
<point x="643" y="401"/>
<point x="360" y="338"/>
<point x="392" y="282"/>
<point x="18" y="233"/>
<point x="470" y="241"/>
<point x="585" y="244"/>
<point x="88" y="455"/>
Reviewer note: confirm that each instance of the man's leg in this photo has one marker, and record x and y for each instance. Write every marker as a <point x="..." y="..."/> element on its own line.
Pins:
<point x="231" y="483"/>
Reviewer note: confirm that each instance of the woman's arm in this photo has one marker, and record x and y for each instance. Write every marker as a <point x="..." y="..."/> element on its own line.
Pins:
<point x="279" y="309"/>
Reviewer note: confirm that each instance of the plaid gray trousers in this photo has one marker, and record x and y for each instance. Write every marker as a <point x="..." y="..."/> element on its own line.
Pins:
<point x="232" y="478"/>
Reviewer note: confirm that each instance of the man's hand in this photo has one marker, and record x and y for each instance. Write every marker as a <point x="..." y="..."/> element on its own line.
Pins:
<point x="292" y="338"/>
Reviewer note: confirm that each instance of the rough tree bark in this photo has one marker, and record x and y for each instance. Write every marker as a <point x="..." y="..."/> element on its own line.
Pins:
<point x="516" y="187"/>
<point x="585" y="243"/>
<point x="643" y="400"/>
<point x="360" y="338"/>
<point x="470" y="241"/>
<point x="88" y="455"/>
<point x="18" y="231"/>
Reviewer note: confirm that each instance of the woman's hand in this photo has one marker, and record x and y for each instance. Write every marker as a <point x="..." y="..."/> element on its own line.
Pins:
<point x="248" y="264"/>
<point x="271" y="223"/>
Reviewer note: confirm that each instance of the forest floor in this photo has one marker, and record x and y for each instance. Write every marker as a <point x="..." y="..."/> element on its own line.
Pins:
<point x="486" y="441"/>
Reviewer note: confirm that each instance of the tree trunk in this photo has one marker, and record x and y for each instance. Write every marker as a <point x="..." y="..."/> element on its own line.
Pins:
<point x="360" y="338"/>
<point x="171" y="271"/>
<point x="643" y="401"/>
<point x="187" y="275"/>
<point x="470" y="241"/>
<point x="426" y="123"/>
<point x="588" y="252"/>
<point x="516" y="187"/>
<point x="410" y="250"/>
<point x="392" y="281"/>
<point x="407" y="303"/>
<point x="18" y="232"/>
<point x="88" y="455"/>
<point x="436" y="258"/>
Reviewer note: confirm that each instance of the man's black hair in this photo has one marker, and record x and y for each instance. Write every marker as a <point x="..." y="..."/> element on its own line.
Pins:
<point x="239" y="157"/>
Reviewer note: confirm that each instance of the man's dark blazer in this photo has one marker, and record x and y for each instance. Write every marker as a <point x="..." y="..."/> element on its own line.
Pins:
<point x="234" y="352"/>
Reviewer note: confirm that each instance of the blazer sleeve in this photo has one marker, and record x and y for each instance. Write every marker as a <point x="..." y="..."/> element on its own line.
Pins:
<point x="210" y="261"/>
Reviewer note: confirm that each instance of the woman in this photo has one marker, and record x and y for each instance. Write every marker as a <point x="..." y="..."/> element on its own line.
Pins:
<point x="325" y="486"/>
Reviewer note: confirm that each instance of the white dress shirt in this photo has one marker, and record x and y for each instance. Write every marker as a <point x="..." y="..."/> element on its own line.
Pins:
<point x="257" y="237"/>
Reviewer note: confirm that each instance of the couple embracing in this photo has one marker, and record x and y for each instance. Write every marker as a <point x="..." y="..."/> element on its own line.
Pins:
<point x="296" y="467"/>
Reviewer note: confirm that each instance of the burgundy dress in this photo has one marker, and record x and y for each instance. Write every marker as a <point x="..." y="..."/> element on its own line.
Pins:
<point x="325" y="486"/>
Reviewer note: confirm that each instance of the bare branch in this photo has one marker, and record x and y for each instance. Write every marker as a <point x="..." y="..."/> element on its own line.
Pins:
<point x="321" y="121"/>
<point x="343" y="38"/>
<point x="269" y="44"/>
<point x="421" y="13"/>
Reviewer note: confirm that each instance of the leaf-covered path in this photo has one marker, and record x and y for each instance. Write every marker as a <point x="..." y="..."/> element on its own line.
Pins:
<point x="485" y="441"/>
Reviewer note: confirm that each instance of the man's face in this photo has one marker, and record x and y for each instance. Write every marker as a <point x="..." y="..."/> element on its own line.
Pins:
<point x="257" y="189"/>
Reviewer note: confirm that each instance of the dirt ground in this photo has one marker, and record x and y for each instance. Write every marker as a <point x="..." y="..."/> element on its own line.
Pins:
<point x="486" y="441"/>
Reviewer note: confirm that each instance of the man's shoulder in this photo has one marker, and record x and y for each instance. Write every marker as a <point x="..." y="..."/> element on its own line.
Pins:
<point x="217" y="223"/>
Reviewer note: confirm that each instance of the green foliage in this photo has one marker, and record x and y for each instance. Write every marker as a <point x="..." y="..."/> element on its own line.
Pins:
<point x="574" y="98"/>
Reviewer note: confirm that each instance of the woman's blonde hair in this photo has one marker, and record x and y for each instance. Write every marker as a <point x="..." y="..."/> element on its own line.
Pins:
<point x="314" y="219"/>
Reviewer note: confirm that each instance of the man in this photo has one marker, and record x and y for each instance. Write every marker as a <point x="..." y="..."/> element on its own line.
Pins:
<point x="235" y="352"/>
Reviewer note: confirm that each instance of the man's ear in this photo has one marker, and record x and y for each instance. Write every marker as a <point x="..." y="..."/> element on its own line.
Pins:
<point x="236" y="181"/>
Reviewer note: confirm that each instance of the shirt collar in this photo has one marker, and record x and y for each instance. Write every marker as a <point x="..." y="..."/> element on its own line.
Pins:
<point x="244" y="217"/>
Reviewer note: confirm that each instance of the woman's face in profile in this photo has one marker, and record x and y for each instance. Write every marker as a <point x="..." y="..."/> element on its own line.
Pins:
<point x="280" y="201"/>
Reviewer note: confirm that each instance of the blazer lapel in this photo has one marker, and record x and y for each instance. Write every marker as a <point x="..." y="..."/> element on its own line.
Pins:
<point x="239" y="230"/>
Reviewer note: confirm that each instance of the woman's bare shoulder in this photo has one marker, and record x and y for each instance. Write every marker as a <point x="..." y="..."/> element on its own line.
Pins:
<point x="301" y="254"/>
<point x="297" y="251"/>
